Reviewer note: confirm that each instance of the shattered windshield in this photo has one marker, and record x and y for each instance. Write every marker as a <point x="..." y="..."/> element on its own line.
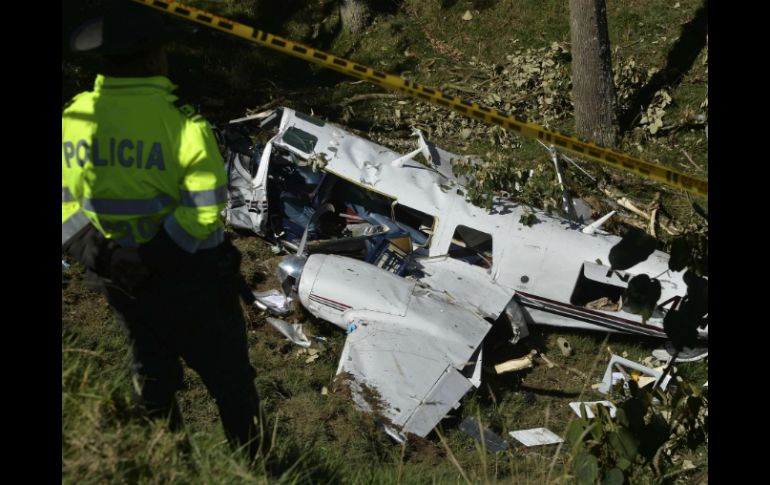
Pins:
<point x="301" y="140"/>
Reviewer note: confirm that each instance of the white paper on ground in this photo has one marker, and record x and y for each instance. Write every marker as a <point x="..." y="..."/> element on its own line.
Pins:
<point x="536" y="436"/>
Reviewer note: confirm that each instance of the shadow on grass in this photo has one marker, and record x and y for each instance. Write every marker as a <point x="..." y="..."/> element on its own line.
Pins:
<point x="680" y="59"/>
<point x="477" y="4"/>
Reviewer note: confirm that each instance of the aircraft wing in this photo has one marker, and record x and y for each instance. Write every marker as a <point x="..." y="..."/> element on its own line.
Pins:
<point x="411" y="370"/>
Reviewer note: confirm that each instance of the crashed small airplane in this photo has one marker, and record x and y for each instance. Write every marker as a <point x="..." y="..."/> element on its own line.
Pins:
<point x="387" y="248"/>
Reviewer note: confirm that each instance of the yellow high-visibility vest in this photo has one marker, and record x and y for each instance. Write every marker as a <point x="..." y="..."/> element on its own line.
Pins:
<point x="132" y="161"/>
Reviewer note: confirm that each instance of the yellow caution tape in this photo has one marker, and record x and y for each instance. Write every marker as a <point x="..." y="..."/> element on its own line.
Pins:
<point x="521" y="127"/>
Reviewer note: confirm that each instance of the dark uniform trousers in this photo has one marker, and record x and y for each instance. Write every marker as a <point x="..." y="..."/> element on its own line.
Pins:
<point x="187" y="308"/>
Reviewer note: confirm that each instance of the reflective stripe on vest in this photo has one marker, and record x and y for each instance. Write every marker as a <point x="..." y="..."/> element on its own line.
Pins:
<point x="189" y="242"/>
<point x="73" y="225"/>
<point x="128" y="207"/>
<point x="66" y="195"/>
<point x="199" y="198"/>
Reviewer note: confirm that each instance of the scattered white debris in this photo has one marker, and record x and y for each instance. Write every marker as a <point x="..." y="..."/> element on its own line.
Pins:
<point x="292" y="332"/>
<point x="515" y="364"/>
<point x="591" y="407"/>
<point x="536" y="437"/>
<point x="273" y="301"/>
<point x="591" y="228"/>
<point x="685" y="355"/>
<point x="618" y="368"/>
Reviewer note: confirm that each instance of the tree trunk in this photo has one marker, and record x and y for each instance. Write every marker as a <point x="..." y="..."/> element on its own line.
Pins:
<point x="593" y="89"/>
<point x="355" y="15"/>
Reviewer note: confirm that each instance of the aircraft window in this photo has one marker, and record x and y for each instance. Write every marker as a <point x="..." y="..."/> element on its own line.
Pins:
<point x="419" y="224"/>
<point x="597" y="295"/>
<point x="301" y="140"/>
<point x="472" y="246"/>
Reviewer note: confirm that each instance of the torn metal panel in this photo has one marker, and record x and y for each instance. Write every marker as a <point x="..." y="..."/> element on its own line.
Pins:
<point x="465" y="283"/>
<point x="442" y="397"/>
<point x="607" y="380"/>
<point x="414" y="371"/>
<point x="247" y="196"/>
<point x="273" y="301"/>
<point x="517" y="319"/>
<point x="476" y="376"/>
<point x="292" y="332"/>
<point x="410" y="342"/>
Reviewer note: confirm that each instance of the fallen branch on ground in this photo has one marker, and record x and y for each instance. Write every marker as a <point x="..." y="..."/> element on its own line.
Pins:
<point x="626" y="203"/>
<point x="270" y="105"/>
<point x="655" y="205"/>
<point x="364" y="97"/>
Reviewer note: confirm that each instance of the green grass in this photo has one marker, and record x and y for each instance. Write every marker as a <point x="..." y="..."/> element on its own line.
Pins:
<point x="322" y="438"/>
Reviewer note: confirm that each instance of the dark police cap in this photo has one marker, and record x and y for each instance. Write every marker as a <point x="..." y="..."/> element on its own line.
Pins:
<point x="127" y="27"/>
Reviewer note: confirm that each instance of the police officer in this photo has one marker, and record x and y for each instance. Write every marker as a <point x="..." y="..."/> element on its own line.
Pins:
<point x="143" y="184"/>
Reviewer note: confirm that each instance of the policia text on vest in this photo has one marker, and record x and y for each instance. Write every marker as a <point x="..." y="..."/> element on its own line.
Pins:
<point x="153" y="165"/>
<point x="112" y="152"/>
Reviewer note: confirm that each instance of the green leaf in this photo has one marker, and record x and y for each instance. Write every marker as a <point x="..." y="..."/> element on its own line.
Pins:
<point x="621" y="418"/>
<point x="681" y="255"/>
<point x="623" y="463"/>
<point x="624" y="443"/>
<point x="613" y="476"/>
<point x="574" y="430"/>
<point x="635" y="247"/>
<point x="597" y="431"/>
<point x="641" y="295"/>
<point x="529" y="219"/>
<point x="630" y="443"/>
<point x="586" y="469"/>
